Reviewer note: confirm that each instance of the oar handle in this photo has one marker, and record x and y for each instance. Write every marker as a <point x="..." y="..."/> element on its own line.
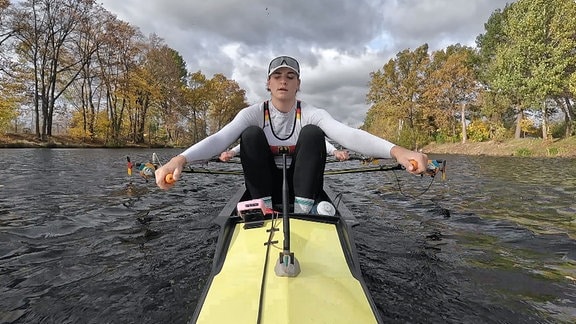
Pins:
<point x="433" y="167"/>
<point x="414" y="164"/>
<point x="169" y="178"/>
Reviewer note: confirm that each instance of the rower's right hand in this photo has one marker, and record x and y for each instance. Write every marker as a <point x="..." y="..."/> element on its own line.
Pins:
<point x="413" y="162"/>
<point x="174" y="167"/>
<point x="341" y="155"/>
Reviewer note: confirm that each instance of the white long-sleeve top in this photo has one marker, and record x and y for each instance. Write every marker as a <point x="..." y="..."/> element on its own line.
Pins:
<point x="283" y="123"/>
<point x="329" y="149"/>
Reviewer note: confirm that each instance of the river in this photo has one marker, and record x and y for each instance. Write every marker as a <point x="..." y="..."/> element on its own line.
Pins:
<point x="82" y="242"/>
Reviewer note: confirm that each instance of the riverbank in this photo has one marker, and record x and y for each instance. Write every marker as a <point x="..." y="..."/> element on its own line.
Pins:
<point x="12" y="140"/>
<point x="533" y="147"/>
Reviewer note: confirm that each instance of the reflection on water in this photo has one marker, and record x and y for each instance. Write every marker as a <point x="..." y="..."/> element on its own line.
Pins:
<point x="81" y="242"/>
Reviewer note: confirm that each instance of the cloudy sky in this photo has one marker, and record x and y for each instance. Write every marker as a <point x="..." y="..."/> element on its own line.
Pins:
<point x="338" y="42"/>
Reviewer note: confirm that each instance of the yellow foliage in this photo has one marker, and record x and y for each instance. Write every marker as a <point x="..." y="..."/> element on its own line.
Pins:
<point x="527" y="126"/>
<point x="7" y="113"/>
<point x="478" y="131"/>
<point x="81" y="130"/>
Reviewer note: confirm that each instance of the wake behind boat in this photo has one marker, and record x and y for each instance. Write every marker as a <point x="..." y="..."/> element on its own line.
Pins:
<point x="244" y="288"/>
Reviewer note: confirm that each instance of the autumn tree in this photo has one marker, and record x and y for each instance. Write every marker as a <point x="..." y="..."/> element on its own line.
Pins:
<point x="395" y="95"/>
<point x="14" y="90"/>
<point x="86" y="93"/>
<point x="45" y="32"/>
<point x="166" y="79"/>
<point x="5" y="29"/>
<point x="7" y="102"/>
<point x="225" y="101"/>
<point x="118" y="57"/>
<point x="451" y="86"/>
<point x="58" y="54"/>
<point x="196" y="109"/>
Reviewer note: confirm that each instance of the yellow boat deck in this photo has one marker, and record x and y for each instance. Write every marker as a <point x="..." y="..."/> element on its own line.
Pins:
<point x="247" y="290"/>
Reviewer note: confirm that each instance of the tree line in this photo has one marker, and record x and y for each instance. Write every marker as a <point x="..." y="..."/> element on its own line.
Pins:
<point x="520" y="75"/>
<point x="73" y="59"/>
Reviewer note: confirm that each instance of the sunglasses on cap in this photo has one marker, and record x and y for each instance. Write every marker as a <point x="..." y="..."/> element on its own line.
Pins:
<point x="283" y="61"/>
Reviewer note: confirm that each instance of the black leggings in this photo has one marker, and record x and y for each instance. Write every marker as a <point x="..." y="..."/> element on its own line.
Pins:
<point x="305" y="173"/>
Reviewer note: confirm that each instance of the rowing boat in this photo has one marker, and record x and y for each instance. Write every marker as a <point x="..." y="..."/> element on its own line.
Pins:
<point x="316" y="277"/>
<point x="243" y="286"/>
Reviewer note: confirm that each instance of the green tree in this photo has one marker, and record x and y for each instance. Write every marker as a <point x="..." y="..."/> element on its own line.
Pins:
<point x="500" y="98"/>
<point x="537" y="58"/>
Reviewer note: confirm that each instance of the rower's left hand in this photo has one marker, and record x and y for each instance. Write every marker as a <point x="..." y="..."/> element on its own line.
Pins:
<point x="405" y="156"/>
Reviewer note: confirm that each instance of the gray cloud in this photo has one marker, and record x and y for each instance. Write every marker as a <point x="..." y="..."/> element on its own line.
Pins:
<point x="338" y="42"/>
<point x="332" y="23"/>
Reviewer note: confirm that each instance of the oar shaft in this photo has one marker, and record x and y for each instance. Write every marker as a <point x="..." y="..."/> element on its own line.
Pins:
<point x="327" y="172"/>
<point x="360" y="170"/>
<point x="382" y="168"/>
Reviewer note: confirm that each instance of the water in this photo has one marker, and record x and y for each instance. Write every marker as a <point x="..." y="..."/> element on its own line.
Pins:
<point x="495" y="243"/>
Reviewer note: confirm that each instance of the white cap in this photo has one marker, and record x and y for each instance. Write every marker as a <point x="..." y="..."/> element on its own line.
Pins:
<point x="283" y="61"/>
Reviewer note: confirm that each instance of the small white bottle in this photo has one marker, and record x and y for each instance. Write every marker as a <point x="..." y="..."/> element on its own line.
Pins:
<point x="325" y="208"/>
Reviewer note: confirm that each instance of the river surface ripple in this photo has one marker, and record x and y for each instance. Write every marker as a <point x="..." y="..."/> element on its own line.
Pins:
<point x="494" y="243"/>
